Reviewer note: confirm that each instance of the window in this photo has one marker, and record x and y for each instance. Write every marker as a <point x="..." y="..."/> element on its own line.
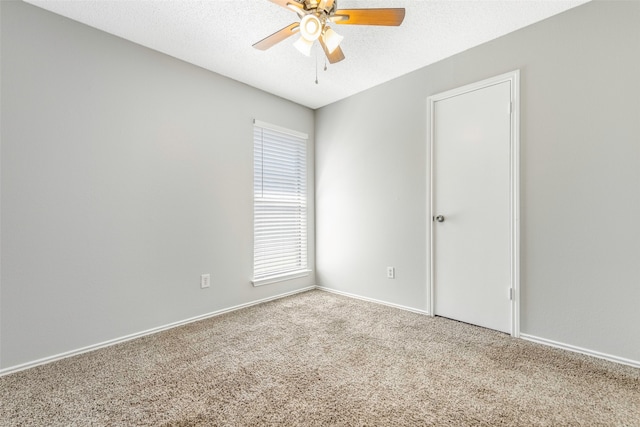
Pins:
<point x="279" y="204"/>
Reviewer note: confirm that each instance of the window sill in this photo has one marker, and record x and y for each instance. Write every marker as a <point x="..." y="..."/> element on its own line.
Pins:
<point x="281" y="278"/>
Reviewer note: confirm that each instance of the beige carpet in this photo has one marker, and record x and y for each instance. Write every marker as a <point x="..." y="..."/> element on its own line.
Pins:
<point x="323" y="359"/>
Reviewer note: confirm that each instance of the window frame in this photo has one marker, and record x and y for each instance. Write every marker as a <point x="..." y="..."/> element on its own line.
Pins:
<point x="303" y="223"/>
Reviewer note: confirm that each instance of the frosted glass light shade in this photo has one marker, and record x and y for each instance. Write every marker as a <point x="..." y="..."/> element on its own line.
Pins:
<point x="310" y="27"/>
<point x="303" y="45"/>
<point x="331" y="39"/>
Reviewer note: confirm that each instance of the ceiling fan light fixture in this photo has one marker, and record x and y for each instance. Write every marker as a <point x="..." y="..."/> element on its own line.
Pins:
<point x="331" y="39"/>
<point x="303" y="45"/>
<point x="310" y="27"/>
<point x="316" y="16"/>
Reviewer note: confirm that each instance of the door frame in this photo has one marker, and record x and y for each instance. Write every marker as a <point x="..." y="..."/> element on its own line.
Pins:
<point x="514" y="193"/>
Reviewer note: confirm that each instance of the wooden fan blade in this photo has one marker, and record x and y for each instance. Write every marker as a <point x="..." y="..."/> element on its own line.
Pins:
<point x="333" y="57"/>
<point x="389" y="17"/>
<point x="277" y="37"/>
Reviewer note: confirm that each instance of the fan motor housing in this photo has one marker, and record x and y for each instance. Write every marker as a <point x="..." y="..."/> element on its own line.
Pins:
<point x="315" y="5"/>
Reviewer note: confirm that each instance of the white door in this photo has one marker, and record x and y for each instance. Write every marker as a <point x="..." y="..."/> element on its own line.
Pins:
<point x="471" y="206"/>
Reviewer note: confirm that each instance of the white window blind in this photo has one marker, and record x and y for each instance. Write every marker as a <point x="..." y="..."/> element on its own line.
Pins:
<point x="279" y="204"/>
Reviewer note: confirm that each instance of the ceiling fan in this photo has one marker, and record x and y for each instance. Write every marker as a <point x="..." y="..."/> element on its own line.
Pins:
<point x="315" y="17"/>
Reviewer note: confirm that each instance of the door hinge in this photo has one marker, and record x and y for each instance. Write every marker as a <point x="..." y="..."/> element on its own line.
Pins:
<point x="511" y="294"/>
<point x="511" y="107"/>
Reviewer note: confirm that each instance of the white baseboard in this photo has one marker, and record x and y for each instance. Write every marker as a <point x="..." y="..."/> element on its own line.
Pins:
<point x="573" y="348"/>
<point x="27" y="365"/>
<point x="71" y="353"/>
<point x="597" y="354"/>
<point x="347" y="294"/>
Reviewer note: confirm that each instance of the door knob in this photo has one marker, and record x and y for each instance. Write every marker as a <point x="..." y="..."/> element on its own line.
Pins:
<point x="439" y="218"/>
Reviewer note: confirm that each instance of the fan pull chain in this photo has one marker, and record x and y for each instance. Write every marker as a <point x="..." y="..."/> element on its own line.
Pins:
<point x="325" y="64"/>
<point x="316" y="67"/>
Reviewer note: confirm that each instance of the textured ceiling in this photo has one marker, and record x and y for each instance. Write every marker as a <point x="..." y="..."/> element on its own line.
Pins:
<point x="218" y="35"/>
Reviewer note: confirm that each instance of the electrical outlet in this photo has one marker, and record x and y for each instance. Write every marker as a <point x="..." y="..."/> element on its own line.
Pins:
<point x="391" y="272"/>
<point x="205" y="280"/>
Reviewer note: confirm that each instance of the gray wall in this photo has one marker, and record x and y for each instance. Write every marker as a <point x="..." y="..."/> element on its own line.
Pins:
<point x="580" y="160"/>
<point x="125" y="175"/>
